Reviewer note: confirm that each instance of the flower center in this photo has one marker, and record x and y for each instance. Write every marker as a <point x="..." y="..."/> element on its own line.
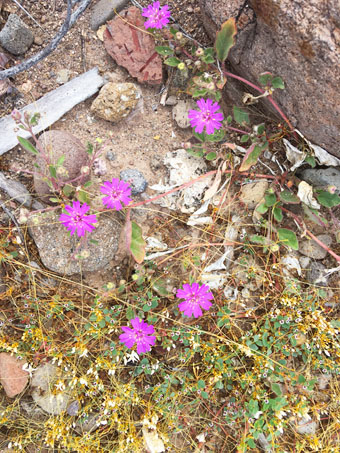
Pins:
<point x="206" y="116"/>
<point x="139" y="335"/>
<point x="116" y="194"/>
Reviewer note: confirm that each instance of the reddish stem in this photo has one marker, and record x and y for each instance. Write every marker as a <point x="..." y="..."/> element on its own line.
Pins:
<point x="311" y="235"/>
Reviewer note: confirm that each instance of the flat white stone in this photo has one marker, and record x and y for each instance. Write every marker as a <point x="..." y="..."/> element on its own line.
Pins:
<point x="51" y="107"/>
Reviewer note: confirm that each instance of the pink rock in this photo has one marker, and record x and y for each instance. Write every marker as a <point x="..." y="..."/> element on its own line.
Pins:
<point x="12" y="376"/>
<point x="132" y="48"/>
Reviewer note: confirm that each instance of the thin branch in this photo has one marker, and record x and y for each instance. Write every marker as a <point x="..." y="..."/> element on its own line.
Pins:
<point x="69" y="21"/>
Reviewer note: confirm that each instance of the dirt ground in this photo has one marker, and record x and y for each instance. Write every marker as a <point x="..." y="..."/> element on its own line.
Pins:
<point x="138" y="142"/>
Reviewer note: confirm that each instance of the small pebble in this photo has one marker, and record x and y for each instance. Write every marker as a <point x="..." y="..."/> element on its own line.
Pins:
<point x="136" y="179"/>
<point x="110" y="155"/>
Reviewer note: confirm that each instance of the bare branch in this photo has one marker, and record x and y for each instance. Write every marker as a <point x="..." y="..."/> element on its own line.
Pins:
<point x="69" y="21"/>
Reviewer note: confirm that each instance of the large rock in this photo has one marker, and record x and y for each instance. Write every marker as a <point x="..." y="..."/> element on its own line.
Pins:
<point x="115" y="101"/>
<point x="57" y="144"/>
<point x="12" y="376"/>
<point x="43" y="389"/>
<point x="128" y="44"/>
<point x="56" y="246"/>
<point x="15" y="37"/>
<point x="105" y="10"/>
<point x="298" y="40"/>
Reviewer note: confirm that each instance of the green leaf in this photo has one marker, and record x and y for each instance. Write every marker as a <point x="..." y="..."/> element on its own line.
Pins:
<point x="262" y="208"/>
<point x="240" y="116"/>
<point x="164" y="50"/>
<point x="211" y="156"/>
<point x="251" y="156"/>
<point x="201" y="137"/>
<point x="61" y="160"/>
<point x="258" y="239"/>
<point x="89" y="148"/>
<point x="93" y="241"/>
<point x="218" y="97"/>
<point x="87" y="184"/>
<point x="288" y="237"/>
<point x="135" y="241"/>
<point x="259" y="129"/>
<point x="277" y="213"/>
<point x="35" y="119"/>
<point x="329" y="200"/>
<point x="225" y="39"/>
<point x="270" y="199"/>
<point x="288" y="197"/>
<point x="82" y="197"/>
<point x="311" y="161"/>
<point x="172" y="61"/>
<point x="229" y="119"/>
<point x="265" y="79"/>
<point x="200" y="92"/>
<point x="205" y="395"/>
<point x="244" y="138"/>
<point x="276" y="389"/>
<point x="67" y="190"/>
<point x="27" y="145"/>
<point x="195" y="153"/>
<point x="217" y="136"/>
<point x="53" y="171"/>
<point x="277" y="82"/>
<point x="130" y="313"/>
<point x="201" y="384"/>
<point x="54" y="200"/>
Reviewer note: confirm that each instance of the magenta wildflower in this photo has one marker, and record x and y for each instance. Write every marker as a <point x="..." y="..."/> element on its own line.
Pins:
<point x="117" y="193"/>
<point x="139" y="334"/>
<point x="76" y="220"/>
<point x="158" y="17"/>
<point x="196" y="297"/>
<point x="206" y="117"/>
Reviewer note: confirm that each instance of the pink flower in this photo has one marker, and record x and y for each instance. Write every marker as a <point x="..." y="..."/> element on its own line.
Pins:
<point x="196" y="297"/>
<point x="158" y="17"/>
<point x="117" y="193"/>
<point x="139" y="334"/>
<point x="206" y="116"/>
<point x="76" y="220"/>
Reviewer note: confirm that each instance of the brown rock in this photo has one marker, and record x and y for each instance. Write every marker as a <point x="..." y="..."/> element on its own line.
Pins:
<point x="115" y="101"/>
<point x="12" y="376"/>
<point x="296" y="40"/>
<point x="57" y="144"/>
<point x="132" y="48"/>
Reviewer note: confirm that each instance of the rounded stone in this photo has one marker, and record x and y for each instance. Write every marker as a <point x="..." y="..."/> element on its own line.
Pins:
<point x="12" y="376"/>
<point x="15" y="36"/>
<point x="115" y="101"/>
<point x="57" y="248"/>
<point x="313" y="250"/>
<point x="57" y="144"/>
<point x="136" y="180"/>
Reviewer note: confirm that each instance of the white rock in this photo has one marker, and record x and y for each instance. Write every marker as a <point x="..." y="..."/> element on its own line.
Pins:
<point x="42" y="383"/>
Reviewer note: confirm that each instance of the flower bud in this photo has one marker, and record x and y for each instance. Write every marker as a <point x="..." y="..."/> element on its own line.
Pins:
<point x="61" y="171"/>
<point x="84" y="170"/>
<point x="331" y="189"/>
<point x="186" y="145"/>
<point x="199" y="52"/>
<point x="179" y="35"/>
<point x="16" y="115"/>
<point x="181" y="66"/>
<point x="198" y="63"/>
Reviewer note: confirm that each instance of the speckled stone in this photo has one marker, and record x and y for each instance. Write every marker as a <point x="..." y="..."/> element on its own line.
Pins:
<point x="15" y="36"/>
<point x="136" y="179"/>
<point x="56" y="247"/>
<point x="115" y="101"/>
<point x="104" y="10"/>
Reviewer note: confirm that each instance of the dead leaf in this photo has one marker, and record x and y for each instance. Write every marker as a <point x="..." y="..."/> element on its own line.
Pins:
<point x="305" y="193"/>
<point x="209" y="193"/>
<point x="100" y="32"/>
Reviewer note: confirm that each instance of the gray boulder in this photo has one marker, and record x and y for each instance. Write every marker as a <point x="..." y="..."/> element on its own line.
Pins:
<point x="15" y="36"/>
